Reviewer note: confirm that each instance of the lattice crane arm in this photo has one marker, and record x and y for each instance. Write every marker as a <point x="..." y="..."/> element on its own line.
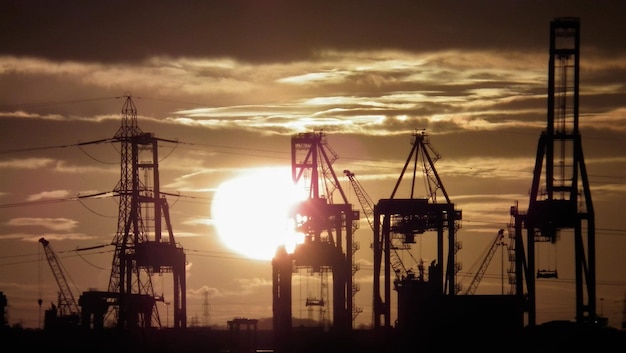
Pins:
<point x="366" y="202"/>
<point x="67" y="298"/>
<point x="368" y="208"/>
<point x="486" y="261"/>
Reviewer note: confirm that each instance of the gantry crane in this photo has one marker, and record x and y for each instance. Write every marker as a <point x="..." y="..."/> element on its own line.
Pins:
<point x="327" y="227"/>
<point x="563" y="202"/>
<point x="67" y="308"/>
<point x="401" y="220"/>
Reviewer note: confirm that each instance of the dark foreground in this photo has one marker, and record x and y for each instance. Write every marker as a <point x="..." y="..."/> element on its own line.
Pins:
<point x="550" y="337"/>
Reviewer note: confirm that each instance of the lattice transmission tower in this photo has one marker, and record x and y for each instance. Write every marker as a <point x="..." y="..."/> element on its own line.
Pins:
<point x="141" y="250"/>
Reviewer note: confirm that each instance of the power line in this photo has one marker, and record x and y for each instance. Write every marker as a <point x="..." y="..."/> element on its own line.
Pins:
<point x="52" y="103"/>
<point x="75" y="252"/>
<point x="100" y="195"/>
<point x="30" y="149"/>
<point x="36" y="203"/>
<point x="247" y="151"/>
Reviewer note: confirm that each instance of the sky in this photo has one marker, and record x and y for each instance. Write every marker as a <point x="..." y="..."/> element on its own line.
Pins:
<point x="233" y="81"/>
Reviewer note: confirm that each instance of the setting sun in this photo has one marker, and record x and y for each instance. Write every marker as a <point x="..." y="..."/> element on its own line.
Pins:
<point x="251" y="212"/>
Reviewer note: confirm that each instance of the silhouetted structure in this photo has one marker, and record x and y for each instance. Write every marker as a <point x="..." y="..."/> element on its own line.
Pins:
<point x="428" y="299"/>
<point x="328" y="245"/>
<point x="397" y="222"/>
<point x="498" y="241"/>
<point x="140" y="250"/>
<point x="4" y="321"/>
<point x="243" y="335"/>
<point x="65" y="314"/>
<point x="561" y="198"/>
<point x="141" y="247"/>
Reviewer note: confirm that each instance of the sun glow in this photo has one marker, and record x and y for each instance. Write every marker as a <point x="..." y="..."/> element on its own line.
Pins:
<point x="251" y="212"/>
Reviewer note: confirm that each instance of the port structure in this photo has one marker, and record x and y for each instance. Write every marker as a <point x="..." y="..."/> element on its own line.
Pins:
<point x="560" y="196"/>
<point x="328" y="245"/>
<point x="397" y="223"/>
<point x="144" y="242"/>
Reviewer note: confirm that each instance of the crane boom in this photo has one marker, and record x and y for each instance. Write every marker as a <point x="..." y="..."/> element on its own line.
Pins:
<point x="486" y="261"/>
<point x="67" y="304"/>
<point x="366" y="202"/>
<point x="368" y="209"/>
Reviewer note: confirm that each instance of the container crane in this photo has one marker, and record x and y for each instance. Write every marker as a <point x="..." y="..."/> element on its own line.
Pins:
<point x="328" y="244"/>
<point x="401" y="221"/>
<point x="67" y="308"/>
<point x="486" y="261"/>
<point x="560" y="197"/>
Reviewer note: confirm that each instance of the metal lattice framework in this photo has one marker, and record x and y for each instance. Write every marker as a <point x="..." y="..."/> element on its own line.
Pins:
<point x="141" y="249"/>
<point x="398" y="221"/>
<point x="328" y="242"/>
<point x="560" y="197"/>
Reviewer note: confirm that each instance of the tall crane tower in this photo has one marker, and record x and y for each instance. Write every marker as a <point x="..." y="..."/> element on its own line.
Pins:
<point x="327" y="227"/>
<point x="560" y="197"/>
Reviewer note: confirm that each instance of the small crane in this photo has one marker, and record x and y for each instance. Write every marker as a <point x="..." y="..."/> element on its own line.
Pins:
<point x="67" y="308"/>
<point x="367" y="205"/>
<point x="486" y="261"/>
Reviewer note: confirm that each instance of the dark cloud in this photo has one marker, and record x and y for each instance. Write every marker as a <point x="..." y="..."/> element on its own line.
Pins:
<point x="278" y="30"/>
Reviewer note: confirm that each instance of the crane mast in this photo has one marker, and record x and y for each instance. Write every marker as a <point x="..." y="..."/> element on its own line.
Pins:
<point x="67" y="305"/>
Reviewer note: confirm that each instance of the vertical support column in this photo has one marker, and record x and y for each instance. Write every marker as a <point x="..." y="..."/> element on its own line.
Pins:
<point x="281" y="300"/>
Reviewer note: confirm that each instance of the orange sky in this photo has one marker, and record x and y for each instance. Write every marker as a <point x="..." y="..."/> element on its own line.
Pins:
<point x="233" y="81"/>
